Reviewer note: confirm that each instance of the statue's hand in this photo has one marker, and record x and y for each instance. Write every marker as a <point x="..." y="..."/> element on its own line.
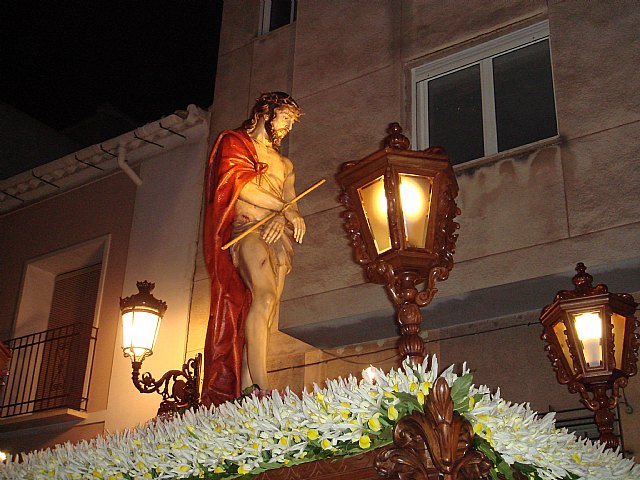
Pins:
<point x="273" y="229"/>
<point x="299" y="227"/>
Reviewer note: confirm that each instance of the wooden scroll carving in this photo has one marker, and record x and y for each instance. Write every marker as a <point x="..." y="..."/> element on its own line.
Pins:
<point x="433" y="445"/>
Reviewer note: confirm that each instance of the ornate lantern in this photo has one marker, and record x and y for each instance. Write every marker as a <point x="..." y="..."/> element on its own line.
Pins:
<point x="400" y="210"/>
<point x="141" y="314"/>
<point x="592" y="345"/>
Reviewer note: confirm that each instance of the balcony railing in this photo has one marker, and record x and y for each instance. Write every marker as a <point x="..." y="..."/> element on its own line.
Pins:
<point x="49" y="370"/>
<point x="581" y="422"/>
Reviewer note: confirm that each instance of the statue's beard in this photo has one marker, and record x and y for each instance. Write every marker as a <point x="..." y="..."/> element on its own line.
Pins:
<point x="276" y="136"/>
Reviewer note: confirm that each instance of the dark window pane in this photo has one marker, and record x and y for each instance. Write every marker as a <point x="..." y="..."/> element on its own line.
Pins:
<point x="525" y="107"/>
<point x="455" y="114"/>
<point x="281" y="13"/>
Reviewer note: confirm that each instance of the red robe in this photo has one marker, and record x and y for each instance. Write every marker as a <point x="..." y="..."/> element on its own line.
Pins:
<point x="233" y="163"/>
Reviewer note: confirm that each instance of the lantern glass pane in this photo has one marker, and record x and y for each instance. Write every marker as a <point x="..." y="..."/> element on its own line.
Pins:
<point x="374" y="204"/>
<point x="559" y="331"/>
<point x="619" y="324"/>
<point x="139" y="332"/>
<point x="589" y="329"/>
<point x="415" y="198"/>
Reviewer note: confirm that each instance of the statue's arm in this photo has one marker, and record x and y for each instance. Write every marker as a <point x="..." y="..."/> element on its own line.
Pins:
<point x="235" y="160"/>
<point x="292" y="214"/>
<point x="255" y="195"/>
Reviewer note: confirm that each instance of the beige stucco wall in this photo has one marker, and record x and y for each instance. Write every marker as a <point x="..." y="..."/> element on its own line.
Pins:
<point x="100" y="209"/>
<point x="162" y="250"/>
<point x="527" y="216"/>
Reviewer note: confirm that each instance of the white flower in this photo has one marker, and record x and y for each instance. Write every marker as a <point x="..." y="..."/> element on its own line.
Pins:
<point x="275" y="430"/>
<point x="520" y="435"/>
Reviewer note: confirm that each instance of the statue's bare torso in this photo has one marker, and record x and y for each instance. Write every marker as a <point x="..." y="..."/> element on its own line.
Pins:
<point x="263" y="256"/>
<point x="272" y="181"/>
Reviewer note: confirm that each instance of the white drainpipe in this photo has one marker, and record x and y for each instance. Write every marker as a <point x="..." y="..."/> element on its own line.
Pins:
<point x="124" y="166"/>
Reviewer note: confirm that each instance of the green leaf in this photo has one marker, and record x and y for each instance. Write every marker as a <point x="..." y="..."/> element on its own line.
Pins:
<point x="505" y="469"/>
<point x="483" y="446"/>
<point x="524" y="467"/>
<point x="460" y="392"/>
<point x="408" y="404"/>
<point x="384" y="421"/>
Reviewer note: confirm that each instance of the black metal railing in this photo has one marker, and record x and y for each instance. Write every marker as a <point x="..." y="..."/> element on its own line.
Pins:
<point x="581" y="422"/>
<point x="49" y="370"/>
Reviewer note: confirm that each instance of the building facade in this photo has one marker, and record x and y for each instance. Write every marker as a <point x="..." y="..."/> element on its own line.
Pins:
<point x="75" y="239"/>
<point x="536" y="103"/>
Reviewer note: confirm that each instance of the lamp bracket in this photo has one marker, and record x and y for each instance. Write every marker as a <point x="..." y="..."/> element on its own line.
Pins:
<point x="402" y="286"/>
<point x="179" y="386"/>
<point x="599" y="398"/>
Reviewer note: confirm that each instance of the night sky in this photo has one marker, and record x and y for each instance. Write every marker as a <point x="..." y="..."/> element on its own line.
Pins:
<point x="61" y="60"/>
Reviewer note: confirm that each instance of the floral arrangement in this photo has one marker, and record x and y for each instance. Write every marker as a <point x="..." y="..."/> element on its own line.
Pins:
<point x="349" y="416"/>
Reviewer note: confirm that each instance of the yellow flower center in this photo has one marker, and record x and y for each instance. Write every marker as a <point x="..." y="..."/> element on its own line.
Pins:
<point x="364" y="442"/>
<point x="374" y="424"/>
<point x="392" y="413"/>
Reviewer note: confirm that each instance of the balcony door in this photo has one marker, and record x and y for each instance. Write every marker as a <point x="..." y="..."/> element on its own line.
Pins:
<point x="67" y="340"/>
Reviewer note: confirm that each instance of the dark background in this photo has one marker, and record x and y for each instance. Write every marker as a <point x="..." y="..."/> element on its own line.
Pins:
<point x="61" y="61"/>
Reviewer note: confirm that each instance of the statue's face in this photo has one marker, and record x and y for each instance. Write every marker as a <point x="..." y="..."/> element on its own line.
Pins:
<point x="281" y="125"/>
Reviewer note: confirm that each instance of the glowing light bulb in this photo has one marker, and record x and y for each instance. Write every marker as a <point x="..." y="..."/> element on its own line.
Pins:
<point x="589" y="328"/>
<point x="381" y="202"/>
<point x="369" y="374"/>
<point x="412" y="199"/>
<point x="139" y="330"/>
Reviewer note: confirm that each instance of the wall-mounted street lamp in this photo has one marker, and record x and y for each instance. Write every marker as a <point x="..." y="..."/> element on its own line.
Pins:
<point x="141" y="314"/>
<point x="400" y="210"/>
<point x="593" y="346"/>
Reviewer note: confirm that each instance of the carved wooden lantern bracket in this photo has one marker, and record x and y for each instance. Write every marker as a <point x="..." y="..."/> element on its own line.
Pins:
<point x="400" y="210"/>
<point x="436" y="444"/>
<point x="593" y="345"/>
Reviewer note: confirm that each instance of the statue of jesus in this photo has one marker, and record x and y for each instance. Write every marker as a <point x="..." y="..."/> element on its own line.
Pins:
<point x="248" y="179"/>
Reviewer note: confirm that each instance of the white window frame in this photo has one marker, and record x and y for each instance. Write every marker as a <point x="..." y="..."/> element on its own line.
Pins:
<point x="36" y="295"/>
<point x="481" y="55"/>
<point x="34" y="304"/>
<point x="265" y="16"/>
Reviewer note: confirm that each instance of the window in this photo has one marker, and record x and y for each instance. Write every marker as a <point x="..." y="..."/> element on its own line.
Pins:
<point x="276" y="13"/>
<point x="487" y="99"/>
<point x="55" y="331"/>
<point x="67" y="342"/>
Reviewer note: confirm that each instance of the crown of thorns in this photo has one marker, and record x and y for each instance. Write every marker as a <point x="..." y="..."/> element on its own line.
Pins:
<point x="280" y="99"/>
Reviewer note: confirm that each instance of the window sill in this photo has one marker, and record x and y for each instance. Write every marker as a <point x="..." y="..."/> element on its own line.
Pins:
<point x="514" y="152"/>
<point x="41" y="419"/>
<point x="262" y="35"/>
